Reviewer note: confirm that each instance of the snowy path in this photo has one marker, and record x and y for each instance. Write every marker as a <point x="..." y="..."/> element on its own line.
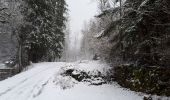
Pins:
<point x="44" y="82"/>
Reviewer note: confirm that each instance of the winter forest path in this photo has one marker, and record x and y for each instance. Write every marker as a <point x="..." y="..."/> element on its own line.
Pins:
<point x="45" y="81"/>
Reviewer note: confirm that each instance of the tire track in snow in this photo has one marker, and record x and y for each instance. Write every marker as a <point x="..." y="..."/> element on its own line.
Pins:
<point x="10" y="89"/>
<point x="41" y="89"/>
<point x="24" y="81"/>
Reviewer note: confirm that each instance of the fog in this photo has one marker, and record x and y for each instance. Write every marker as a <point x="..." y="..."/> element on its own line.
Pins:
<point x="80" y="11"/>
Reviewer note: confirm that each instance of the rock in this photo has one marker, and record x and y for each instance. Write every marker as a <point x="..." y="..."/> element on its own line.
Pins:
<point x="69" y="71"/>
<point x="147" y="98"/>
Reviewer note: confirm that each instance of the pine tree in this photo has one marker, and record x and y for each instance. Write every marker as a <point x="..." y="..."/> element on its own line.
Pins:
<point x="143" y="32"/>
<point x="41" y="35"/>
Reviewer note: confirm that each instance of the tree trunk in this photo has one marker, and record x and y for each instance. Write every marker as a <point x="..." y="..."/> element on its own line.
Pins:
<point x="20" y="58"/>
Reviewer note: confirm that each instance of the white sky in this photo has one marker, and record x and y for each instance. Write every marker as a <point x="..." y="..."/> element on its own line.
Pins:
<point x="80" y="11"/>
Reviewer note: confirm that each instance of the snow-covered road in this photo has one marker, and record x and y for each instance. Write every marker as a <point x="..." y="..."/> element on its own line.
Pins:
<point x="44" y="82"/>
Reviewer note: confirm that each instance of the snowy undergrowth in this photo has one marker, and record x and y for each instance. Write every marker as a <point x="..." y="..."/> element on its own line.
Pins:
<point x="73" y="73"/>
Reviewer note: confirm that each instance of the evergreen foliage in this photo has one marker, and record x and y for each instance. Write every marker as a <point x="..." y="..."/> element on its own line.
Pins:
<point x="139" y="32"/>
<point x="41" y="35"/>
<point x="143" y="32"/>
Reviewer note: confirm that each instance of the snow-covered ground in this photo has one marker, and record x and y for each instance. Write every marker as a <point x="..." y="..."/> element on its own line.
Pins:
<point x="44" y="81"/>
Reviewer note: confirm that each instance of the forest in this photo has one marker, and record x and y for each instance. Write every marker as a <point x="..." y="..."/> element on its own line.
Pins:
<point x="131" y="36"/>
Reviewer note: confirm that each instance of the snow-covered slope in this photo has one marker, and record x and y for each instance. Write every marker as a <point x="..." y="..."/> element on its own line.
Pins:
<point x="44" y="81"/>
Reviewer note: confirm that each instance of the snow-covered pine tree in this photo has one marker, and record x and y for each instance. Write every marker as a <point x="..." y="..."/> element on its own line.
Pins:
<point x="41" y="35"/>
<point x="141" y="32"/>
